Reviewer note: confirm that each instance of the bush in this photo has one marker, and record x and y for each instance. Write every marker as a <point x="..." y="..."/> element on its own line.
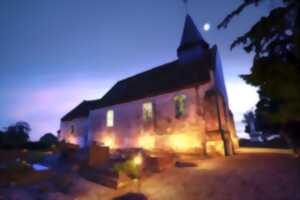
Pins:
<point x="49" y="139"/>
<point x="29" y="146"/>
<point x="275" y="143"/>
<point x="35" y="146"/>
<point x="16" y="135"/>
<point x="35" y="157"/>
<point x="18" y="167"/>
<point x="129" y="168"/>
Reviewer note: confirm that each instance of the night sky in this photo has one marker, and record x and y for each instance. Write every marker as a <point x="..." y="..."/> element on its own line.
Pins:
<point x="56" y="53"/>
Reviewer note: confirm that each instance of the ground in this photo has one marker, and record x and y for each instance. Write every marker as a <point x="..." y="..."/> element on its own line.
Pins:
<point x="244" y="176"/>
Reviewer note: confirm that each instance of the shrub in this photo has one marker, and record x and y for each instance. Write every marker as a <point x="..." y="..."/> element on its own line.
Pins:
<point x="49" y="139"/>
<point x="35" y="157"/>
<point x="18" y="166"/>
<point x="129" y="168"/>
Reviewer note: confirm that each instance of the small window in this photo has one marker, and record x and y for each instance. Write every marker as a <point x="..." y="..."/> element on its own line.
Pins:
<point x="72" y="129"/>
<point x="110" y="118"/>
<point x="148" y="111"/>
<point x="179" y="102"/>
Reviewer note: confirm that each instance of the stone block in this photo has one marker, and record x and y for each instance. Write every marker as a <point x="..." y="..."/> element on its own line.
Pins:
<point x="158" y="163"/>
<point x="98" y="155"/>
<point x="215" y="148"/>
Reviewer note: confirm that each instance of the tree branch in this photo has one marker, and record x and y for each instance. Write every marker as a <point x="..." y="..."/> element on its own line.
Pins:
<point x="237" y="11"/>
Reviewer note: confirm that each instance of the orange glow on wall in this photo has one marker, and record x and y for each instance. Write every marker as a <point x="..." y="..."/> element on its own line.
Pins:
<point x="109" y="141"/>
<point x="72" y="139"/>
<point x="146" y="142"/>
<point x="215" y="147"/>
<point x="183" y="142"/>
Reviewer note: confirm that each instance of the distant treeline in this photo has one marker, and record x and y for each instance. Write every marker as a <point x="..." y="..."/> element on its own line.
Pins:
<point x="275" y="143"/>
<point x="16" y="136"/>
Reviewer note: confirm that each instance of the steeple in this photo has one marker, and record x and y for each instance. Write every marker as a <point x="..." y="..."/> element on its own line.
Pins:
<point x="192" y="43"/>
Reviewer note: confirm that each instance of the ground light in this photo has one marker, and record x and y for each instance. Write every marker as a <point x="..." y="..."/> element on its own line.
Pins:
<point x="138" y="162"/>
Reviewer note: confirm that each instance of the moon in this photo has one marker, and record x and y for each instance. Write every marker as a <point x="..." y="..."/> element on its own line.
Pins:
<point x="206" y="27"/>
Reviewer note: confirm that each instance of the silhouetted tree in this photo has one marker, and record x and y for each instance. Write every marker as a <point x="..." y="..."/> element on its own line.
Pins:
<point x="49" y="139"/>
<point x="23" y="127"/>
<point x="264" y="108"/>
<point x="17" y="134"/>
<point x="275" y="40"/>
<point x="249" y="121"/>
<point x="1" y="137"/>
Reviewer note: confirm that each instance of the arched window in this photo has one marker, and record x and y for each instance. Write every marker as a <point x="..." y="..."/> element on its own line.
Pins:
<point x="179" y="101"/>
<point x="110" y="118"/>
<point x="147" y="111"/>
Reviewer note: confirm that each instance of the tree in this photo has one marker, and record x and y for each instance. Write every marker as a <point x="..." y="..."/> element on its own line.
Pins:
<point x="275" y="40"/>
<point x="249" y="121"/>
<point x="264" y="108"/>
<point x="49" y="139"/>
<point x="17" y="134"/>
<point x="1" y="137"/>
<point x="23" y="127"/>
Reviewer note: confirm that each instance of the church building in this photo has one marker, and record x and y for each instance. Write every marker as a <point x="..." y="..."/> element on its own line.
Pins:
<point x="180" y="106"/>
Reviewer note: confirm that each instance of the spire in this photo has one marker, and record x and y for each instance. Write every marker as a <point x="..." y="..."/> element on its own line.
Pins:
<point x="191" y="36"/>
<point x="191" y="39"/>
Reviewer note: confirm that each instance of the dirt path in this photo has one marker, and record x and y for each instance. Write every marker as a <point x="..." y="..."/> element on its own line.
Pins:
<point x="240" y="177"/>
<point x="245" y="176"/>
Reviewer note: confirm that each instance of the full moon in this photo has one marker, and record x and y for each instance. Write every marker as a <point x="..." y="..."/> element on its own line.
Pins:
<point x="206" y="27"/>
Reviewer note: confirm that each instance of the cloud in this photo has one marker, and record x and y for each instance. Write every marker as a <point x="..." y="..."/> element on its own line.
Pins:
<point x="43" y="107"/>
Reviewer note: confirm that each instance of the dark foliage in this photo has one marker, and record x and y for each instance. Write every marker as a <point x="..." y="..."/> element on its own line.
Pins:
<point x="275" y="40"/>
<point x="292" y="129"/>
<point x="35" y="146"/>
<point x="15" y="135"/>
<point x="49" y="139"/>
<point x="1" y="137"/>
<point x="28" y="145"/>
<point x="275" y="143"/>
<point x="249" y="118"/>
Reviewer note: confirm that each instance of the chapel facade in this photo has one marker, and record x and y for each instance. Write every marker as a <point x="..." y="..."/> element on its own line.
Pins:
<point x="180" y="106"/>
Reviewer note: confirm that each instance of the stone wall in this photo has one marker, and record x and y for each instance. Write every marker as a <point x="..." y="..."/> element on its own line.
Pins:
<point x="80" y="131"/>
<point x="198" y="130"/>
<point x="165" y="131"/>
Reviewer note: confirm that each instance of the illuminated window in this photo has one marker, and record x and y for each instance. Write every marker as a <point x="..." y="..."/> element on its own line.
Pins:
<point x="147" y="111"/>
<point x="110" y="118"/>
<point x="179" y="102"/>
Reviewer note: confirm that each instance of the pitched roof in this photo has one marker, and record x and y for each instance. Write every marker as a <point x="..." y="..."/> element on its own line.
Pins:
<point x="165" y="78"/>
<point x="82" y="110"/>
<point x="191" y="35"/>
<point x="162" y="79"/>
